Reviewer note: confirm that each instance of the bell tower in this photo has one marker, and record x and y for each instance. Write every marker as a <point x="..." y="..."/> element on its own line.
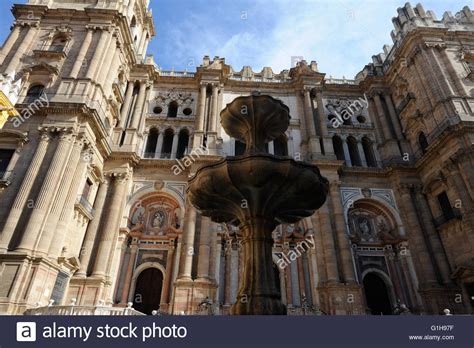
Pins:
<point x="72" y="60"/>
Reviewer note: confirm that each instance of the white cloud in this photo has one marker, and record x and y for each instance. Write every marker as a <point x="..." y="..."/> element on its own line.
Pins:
<point x="340" y="35"/>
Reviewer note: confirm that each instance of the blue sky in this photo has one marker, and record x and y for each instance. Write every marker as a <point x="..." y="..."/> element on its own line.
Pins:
<point x="341" y="35"/>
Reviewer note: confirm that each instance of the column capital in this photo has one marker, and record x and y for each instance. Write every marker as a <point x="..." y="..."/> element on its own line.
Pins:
<point x="376" y="92"/>
<point x="46" y="135"/>
<point x="307" y="89"/>
<point x="119" y="177"/>
<point x="405" y="188"/>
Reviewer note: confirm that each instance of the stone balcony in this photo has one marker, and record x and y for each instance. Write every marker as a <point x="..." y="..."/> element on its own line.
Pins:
<point x="84" y="310"/>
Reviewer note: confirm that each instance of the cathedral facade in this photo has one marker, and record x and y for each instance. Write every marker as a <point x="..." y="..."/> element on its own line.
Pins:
<point x="96" y="158"/>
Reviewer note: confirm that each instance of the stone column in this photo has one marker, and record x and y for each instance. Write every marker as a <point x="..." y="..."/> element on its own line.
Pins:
<point x="137" y="114"/>
<point x="204" y="250"/>
<point x="67" y="213"/>
<point x="202" y="108"/>
<point x="109" y="232"/>
<point x="215" y="272"/>
<point x="50" y="184"/>
<point x="271" y="148"/>
<point x="215" y="94"/>
<point x="409" y="273"/>
<point x="11" y="40"/>
<point x="24" y="191"/>
<point x="170" y="272"/>
<point x="227" y="273"/>
<point x="82" y="54"/>
<point x="438" y="71"/>
<point x="22" y="49"/>
<point x="126" y="105"/>
<point x="360" y="148"/>
<point x="159" y="144"/>
<point x="99" y="52"/>
<point x="177" y="257"/>
<point x="142" y="123"/>
<point x="417" y="242"/>
<point x="107" y="61"/>
<point x="313" y="141"/>
<point x="329" y="248"/>
<point x="49" y="230"/>
<point x="288" y="281"/>
<point x="113" y="267"/>
<point x="327" y="141"/>
<point x="174" y="147"/>
<point x="433" y="237"/>
<point x="382" y="117"/>
<point x="93" y="228"/>
<point x="393" y="117"/>
<point x="342" y="238"/>
<point x="187" y="253"/>
<point x="347" y="155"/>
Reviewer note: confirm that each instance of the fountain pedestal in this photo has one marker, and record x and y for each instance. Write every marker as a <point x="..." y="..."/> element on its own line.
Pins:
<point x="257" y="192"/>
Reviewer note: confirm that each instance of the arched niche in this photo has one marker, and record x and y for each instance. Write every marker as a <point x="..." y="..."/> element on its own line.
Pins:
<point x="156" y="214"/>
<point x="369" y="222"/>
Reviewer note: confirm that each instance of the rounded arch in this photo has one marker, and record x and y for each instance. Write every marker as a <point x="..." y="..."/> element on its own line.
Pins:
<point x="183" y="143"/>
<point x="133" y="22"/>
<point x="59" y="42"/>
<point x="151" y="142"/>
<point x="338" y="148"/>
<point x="150" y="194"/>
<point x="173" y="109"/>
<point x="280" y="145"/>
<point x="167" y="147"/>
<point x="386" y="280"/>
<point x="353" y="151"/>
<point x="377" y="204"/>
<point x="422" y="142"/>
<point x="369" y="154"/>
<point x="34" y="92"/>
<point x="147" y="304"/>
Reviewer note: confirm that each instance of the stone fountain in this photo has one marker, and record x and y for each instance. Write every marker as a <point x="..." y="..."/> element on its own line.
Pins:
<point x="257" y="192"/>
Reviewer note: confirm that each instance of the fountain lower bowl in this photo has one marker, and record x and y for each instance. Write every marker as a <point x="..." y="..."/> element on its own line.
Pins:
<point x="239" y="189"/>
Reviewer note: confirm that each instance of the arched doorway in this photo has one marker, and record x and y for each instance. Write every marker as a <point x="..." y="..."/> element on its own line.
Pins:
<point x="148" y="288"/>
<point x="376" y="295"/>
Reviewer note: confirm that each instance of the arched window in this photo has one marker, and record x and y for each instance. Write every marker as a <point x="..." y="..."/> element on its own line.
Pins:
<point x="280" y="146"/>
<point x="423" y="142"/>
<point x="369" y="152"/>
<point x="183" y="142"/>
<point x="34" y="93"/>
<point x="239" y="148"/>
<point x="134" y="29"/>
<point x="151" y="143"/>
<point x="58" y="44"/>
<point x="354" y="152"/>
<point x="338" y="148"/>
<point x="173" y="109"/>
<point x="167" y="143"/>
